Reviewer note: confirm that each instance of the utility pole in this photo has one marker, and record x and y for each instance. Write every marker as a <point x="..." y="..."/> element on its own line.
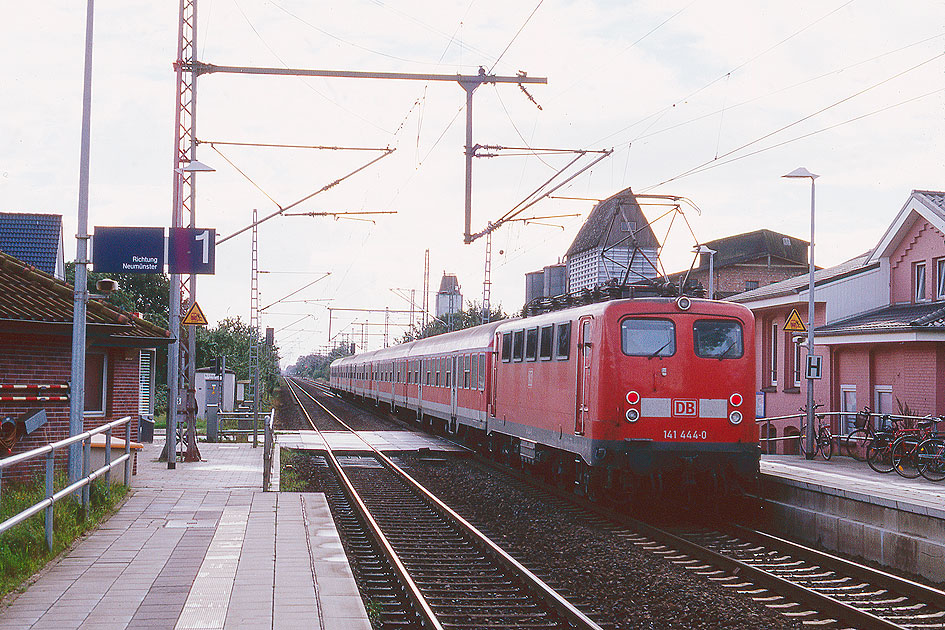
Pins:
<point x="426" y="287"/>
<point x="254" y="326"/>
<point x="487" y="282"/>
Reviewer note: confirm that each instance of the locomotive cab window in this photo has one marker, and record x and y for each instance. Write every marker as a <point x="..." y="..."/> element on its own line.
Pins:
<point x="547" y="339"/>
<point x="563" y="341"/>
<point x="648" y="337"/>
<point x="518" y="345"/>
<point x="531" y="344"/>
<point x="717" y="339"/>
<point x="506" y="347"/>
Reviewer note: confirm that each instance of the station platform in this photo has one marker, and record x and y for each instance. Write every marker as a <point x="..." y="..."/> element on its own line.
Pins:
<point x="843" y="505"/>
<point x="200" y="547"/>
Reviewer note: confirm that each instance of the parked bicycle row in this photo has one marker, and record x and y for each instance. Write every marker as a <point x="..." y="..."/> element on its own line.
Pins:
<point x="910" y="445"/>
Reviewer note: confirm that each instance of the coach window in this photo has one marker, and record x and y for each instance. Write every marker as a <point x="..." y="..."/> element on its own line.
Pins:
<point x="717" y="339"/>
<point x="474" y="371"/>
<point x="648" y="337"/>
<point x="449" y="371"/>
<point x="482" y="371"/>
<point x="466" y="371"/>
<point x="531" y="344"/>
<point x="563" y="341"/>
<point x="506" y="347"/>
<point x="547" y="339"/>
<point x="518" y="345"/>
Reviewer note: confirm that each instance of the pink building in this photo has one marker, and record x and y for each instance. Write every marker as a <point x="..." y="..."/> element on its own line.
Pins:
<point x="879" y="325"/>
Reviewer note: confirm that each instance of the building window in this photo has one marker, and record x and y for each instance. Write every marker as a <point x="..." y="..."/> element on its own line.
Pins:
<point x="146" y="383"/>
<point x="773" y="366"/>
<point x="848" y="403"/>
<point x="918" y="276"/>
<point x="794" y="358"/>
<point x="940" y="279"/>
<point x="882" y="402"/>
<point x="751" y="285"/>
<point x="96" y="379"/>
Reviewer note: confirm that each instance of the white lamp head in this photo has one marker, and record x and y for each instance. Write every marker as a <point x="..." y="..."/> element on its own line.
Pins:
<point x="801" y="172"/>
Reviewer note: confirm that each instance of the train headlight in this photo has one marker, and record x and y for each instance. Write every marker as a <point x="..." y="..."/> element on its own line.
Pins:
<point x="632" y="415"/>
<point x="633" y="397"/>
<point x="683" y="303"/>
<point x="736" y="400"/>
<point x="735" y="417"/>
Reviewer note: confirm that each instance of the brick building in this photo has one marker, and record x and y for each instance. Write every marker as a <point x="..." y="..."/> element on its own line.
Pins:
<point x="879" y="325"/>
<point x="36" y="353"/>
<point x="747" y="261"/>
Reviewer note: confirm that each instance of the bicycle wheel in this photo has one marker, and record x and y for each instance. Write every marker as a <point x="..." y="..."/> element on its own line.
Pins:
<point x="854" y="444"/>
<point x="825" y="443"/>
<point x="931" y="455"/>
<point x="879" y="454"/>
<point x="904" y="451"/>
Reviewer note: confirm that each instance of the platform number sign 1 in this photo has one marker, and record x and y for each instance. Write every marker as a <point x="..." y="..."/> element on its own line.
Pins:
<point x="191" y="250"/>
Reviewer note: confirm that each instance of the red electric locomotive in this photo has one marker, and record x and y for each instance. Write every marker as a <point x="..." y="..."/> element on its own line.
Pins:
<point x="624" y="394"/>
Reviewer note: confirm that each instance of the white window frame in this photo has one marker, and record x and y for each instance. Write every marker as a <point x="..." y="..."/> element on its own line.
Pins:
<point x="918" y="282"/>
<point x="99" y="413"/>
<point x="796" y="368"/>
<point x="146" y="364"/>
<point x="940" y="279"/>
<point x="878" y="390"/>
<point x="773" y="364"/>
<point x="848" y="420"/>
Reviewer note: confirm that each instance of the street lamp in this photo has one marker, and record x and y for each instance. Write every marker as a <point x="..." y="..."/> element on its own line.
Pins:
<point x="173" y="318"/>
<point x="800" y="173"/>
<point x="702" y="249"/>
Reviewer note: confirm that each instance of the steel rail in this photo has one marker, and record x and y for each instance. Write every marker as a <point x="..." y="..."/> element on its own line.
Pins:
<point x="422" y="606"/>
<point x="558" y="603"/>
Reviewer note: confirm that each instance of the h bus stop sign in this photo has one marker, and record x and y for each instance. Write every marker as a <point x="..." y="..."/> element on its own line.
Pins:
<point x="814" y="366"/>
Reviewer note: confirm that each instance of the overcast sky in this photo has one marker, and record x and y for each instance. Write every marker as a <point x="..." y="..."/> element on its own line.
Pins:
<point x="710" y="100"/>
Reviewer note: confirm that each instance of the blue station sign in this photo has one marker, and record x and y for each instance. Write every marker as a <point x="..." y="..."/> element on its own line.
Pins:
<point x="128" y="250"/>
<point x="191" y="250"/>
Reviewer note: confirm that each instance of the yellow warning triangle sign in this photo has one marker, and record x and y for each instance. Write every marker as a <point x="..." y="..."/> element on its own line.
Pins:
<point x="195" y="317"/>
<point x="794" y="323"/>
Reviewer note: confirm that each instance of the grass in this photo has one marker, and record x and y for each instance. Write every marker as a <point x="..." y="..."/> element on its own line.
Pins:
<point x="289" y="478"/>
<point x="23" y="548"/>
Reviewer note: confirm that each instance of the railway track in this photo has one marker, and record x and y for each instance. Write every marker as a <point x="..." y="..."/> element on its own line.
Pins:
<point x="420" y="563"/>
<point x="815" y="589"/>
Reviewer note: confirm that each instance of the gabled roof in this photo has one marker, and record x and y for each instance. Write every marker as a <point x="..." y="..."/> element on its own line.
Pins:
<point x="928" y="204"/>
<point x="36" y="239"/>
<point x="603" y="227"/>
<point x="795" y="285"/>
<point x="928" y="316"/>
<point x="31" y="299"/>
<point x="749" y="246"/>
<point x="449" y="283"/>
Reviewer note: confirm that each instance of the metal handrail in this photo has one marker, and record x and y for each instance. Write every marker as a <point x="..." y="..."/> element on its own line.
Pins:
<point x="83" y="483"/>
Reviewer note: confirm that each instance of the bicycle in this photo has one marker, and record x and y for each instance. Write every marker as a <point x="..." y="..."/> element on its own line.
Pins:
<point x="879" y="450"/>
<point x="931" y="456"/>
<point x="855" y="443"/>
<point x="905" y="450"/>
<point x="823" y="439"/>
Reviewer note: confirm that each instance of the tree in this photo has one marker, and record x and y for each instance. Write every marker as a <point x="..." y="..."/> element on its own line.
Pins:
<point x="232" y="338"/>
<point x="469" y="317"/>
<point x="315" y="366"/>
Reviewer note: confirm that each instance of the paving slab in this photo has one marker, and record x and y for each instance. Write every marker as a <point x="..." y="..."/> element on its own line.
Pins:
<point x="199" y="547"/>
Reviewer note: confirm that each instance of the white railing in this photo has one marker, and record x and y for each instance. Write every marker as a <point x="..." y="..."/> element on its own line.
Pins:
<point x="83" y="483"/>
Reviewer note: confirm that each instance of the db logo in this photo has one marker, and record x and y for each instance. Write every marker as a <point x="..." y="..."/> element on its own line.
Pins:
<point x="684" y="407"/>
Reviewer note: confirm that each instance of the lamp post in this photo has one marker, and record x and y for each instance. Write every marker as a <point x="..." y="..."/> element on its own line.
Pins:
<point x="173" y="319"/>
<point x="800" y="173"/>
<point x="702" y="249"/>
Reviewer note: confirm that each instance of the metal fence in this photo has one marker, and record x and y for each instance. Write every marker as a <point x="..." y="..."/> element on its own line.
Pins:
<point x="83" y="483"/>
<point x="854" y="416"/>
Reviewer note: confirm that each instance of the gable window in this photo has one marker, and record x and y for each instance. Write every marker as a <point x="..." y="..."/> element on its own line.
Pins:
<point x="940" y="279"/>
<point x="96" y="379"/>
<point x="918" y="284"/>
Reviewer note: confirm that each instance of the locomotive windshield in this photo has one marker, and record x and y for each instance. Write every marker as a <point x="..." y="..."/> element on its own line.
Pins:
<point x="648" y="337"/>
<point x="717" y="339"/>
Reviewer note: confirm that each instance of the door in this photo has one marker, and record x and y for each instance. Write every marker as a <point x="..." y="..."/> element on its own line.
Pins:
<point x="451" y="365"/>
<point x="493" y="382"/>
<point x="583" y="373"/>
